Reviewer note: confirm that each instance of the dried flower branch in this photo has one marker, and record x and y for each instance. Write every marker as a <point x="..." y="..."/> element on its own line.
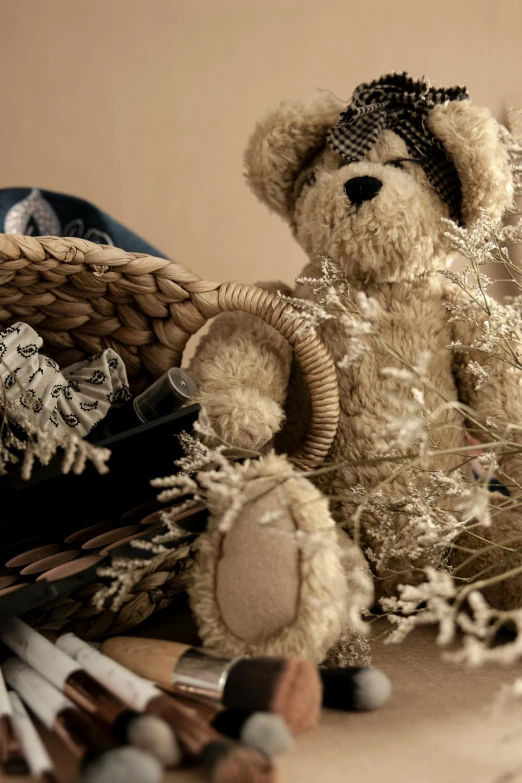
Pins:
<point x="22" y="442"/>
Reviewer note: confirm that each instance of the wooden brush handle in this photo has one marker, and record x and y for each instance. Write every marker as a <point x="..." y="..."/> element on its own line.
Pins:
<point x="153" y="659"/>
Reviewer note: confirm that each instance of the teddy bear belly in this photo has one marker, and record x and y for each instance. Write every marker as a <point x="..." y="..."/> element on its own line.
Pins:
<point x="365" y="397"/>
<point x="361" y="425"/>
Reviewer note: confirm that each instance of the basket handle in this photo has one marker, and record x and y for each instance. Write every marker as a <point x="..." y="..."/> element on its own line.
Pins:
<point x="84" y="296"/>
<point x="310" y="353"/>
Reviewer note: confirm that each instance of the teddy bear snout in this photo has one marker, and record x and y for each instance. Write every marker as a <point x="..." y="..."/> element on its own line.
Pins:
<point x="359" y="189"/>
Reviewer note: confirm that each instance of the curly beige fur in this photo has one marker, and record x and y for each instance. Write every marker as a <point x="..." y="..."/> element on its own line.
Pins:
<point x="471" y="137"/>
<point x="391" y="247"/>
<point x="283" y="143"/>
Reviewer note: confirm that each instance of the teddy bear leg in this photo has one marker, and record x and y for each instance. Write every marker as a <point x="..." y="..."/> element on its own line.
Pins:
<point x="277" y="577"/>
<point x="242" y="368"/>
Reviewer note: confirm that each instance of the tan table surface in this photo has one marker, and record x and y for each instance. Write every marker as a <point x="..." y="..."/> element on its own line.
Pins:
<point x="440" y="725"/>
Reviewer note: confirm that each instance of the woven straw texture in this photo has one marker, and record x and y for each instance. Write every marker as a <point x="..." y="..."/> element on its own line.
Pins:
<point x="83" y="297"/>
<point x="160" y="579"/>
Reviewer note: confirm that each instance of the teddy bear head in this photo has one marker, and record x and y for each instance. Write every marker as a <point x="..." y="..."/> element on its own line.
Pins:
<point x="368" y="184"/>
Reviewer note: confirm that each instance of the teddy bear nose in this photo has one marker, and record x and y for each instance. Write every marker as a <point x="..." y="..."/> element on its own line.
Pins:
<point x="359" y="189"/>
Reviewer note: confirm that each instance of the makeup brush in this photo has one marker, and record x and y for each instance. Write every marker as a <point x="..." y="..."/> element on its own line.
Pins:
<point x="40" y="764"/>
<point x="354" y="688"/>
<point x="128" y="727"/>
<point x="263" y="730"/>
<point x="226" y="762"/>
<point x="290" y="687"/>
<point x="12" y="756"/>
<point x="101" y="762"/>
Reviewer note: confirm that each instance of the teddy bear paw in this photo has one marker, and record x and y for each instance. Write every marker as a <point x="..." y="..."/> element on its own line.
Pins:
<point x="243" y="417"/>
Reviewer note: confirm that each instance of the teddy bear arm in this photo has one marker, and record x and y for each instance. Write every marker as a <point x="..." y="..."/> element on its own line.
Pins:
<point x="497" y="396"/>
<point x="475" y="555"/>
<point x="242" y="368"/>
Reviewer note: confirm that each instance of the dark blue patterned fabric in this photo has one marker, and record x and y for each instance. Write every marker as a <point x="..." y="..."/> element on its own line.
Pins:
<point x="35" y="212"/>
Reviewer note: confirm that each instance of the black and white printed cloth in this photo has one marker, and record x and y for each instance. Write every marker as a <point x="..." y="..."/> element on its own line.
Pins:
<point x="75" y="398"/>
<point x="399" y="103"/>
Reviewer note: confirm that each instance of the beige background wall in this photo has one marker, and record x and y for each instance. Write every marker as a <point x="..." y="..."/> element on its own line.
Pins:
<point x="144" y="106"/>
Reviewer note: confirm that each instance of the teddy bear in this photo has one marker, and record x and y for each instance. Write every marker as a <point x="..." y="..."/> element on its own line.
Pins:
<point x="366" y="185"/>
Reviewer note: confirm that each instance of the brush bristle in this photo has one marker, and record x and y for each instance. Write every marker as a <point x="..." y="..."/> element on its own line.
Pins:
<point x="354" y="688"/>
<point x="15" y="765"/>
<point x="262" y="730"/>
<point x="290" y="687"/>
<point x="230" y="722"/>
<point x="12" y="756"/>
<point x="121" y="765"/>
<point x="227" y="762"/>
<point x="251" y="682"/>
<point x="267" y="732"/>
<point x="153" y="735"/>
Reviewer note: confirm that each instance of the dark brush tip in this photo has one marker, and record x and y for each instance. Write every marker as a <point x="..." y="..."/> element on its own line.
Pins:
<point x="251" y="683"/>
<point x="290" y="687"/>
<point x="213" y="753"/>
<point x="231" y="722"/>
<point x="354" y="688"/>
<point x="121" y="726"/>
<point x="15" y="765"/>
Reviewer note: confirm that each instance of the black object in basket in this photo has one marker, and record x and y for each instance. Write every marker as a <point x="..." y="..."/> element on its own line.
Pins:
<point x="51" y="507"/>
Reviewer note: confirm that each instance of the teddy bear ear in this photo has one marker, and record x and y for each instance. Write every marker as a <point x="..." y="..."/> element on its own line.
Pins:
<point x="283" y="143"/>
<point x="472" y="139"/>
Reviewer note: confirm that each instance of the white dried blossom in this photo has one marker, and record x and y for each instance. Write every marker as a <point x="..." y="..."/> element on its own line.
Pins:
<point x="418" y="396"/>
<point x="489" y="461"/>
<point x="423" y="604"/>
<point x="352" y="649"/>
<point x="368" y="306"/>
<point x="332" y="277"/>
<point x="404" y="430"/>
<point x="426" y="526"/>
<point x="480" y="373"/>
<point x="475" y="504"/>
<point x="476" y="243"/>
<point x="356" y="348"/>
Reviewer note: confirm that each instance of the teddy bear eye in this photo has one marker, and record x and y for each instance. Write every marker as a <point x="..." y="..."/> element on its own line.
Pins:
<point x="398" y="163"/>
<point x="303" y="184"/>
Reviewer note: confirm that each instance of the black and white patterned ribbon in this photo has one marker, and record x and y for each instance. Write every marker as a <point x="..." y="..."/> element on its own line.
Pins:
<point x="75" y="398"/>
<point x="399" y="103"/>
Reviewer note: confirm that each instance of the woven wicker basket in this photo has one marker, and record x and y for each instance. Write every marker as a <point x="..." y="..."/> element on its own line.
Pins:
<point x="82" y="297"/>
